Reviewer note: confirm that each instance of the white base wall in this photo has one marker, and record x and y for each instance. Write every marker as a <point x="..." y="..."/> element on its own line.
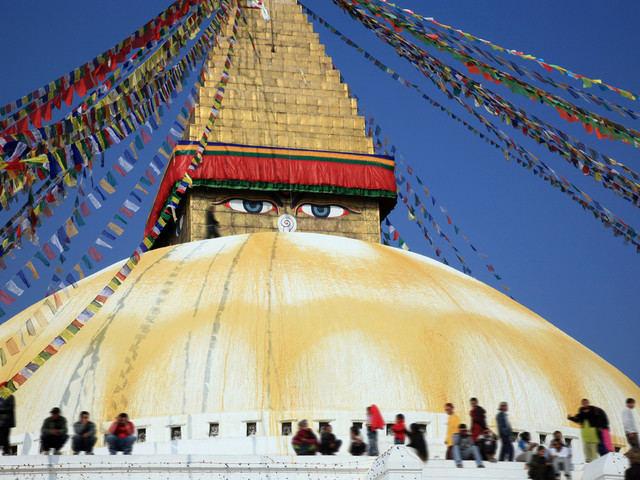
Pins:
<point x="396" y="463"/>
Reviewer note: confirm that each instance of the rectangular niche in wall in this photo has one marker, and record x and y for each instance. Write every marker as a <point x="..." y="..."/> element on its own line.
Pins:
<point x="142" y="435"/>
<point x="214" y="429"/>
<point x="176" y="433"/>
<point x="252" y="429"/>
<point x="287" y="429"/>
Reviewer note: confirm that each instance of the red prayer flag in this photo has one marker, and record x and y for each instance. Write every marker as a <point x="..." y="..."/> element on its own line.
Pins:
<point x="84" y="209"/>
<point x="57" y="101"/>
<point x="67" y="96"/>
<point x="19" y="379"/>
<point x="36" y="118"/>
<point x="6" y="298"/>
<point x="23" y="124"/>
<point x="50" y="349"/>
<point x="95" y="254"/>
<point x="48" y="251"/>
<point x="80" y="87"/>
<point x="46" y="111"/>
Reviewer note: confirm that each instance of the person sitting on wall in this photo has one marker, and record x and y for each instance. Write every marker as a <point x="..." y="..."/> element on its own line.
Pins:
<point x="121" y="435"/>
<point x="329" y="445"/>
<point x="85" y="435"/>
<point x="417" y="442"/>
<point x="526" y="448"/>
<point x="633" y="472"/>
<point x="53" y="432"/>
<point x="305" y="441"/>
<point x="539" y="467"/>
<point x="464" y="448"/>
<point x="357" y="447"/>
<point x="488" y="445"/>
<point x="560" y="457"/>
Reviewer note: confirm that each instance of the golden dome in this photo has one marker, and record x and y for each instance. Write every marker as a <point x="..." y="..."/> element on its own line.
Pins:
<point x="301" y="323"/>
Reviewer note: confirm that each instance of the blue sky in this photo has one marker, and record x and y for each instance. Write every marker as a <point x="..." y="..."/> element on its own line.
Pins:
<point x="557" y="259"/>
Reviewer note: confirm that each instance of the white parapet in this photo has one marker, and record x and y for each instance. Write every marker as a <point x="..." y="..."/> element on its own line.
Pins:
<point x="607" y="467"/>
<point x="397" y="463"/>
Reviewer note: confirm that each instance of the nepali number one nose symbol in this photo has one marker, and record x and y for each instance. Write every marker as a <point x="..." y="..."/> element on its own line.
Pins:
<point x="287" y="223"/>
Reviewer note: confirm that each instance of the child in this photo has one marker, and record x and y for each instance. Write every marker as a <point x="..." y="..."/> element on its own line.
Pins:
<point x="399" y="430"/>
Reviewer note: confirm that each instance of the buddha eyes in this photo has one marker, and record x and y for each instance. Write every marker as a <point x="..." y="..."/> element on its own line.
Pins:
<point x="244" y="205"/>
<point x="250" y="206"/>
<point x="322" y="211"/>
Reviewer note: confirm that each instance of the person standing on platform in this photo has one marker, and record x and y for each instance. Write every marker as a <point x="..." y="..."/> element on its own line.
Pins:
<point x="121" y="435"/>
<point x="453" y="423"/>
<point x="418" y="443"/>
<point x="85" y="435"/>
<point x="374" y="423"/>
<point x="399" y="430"/>
<point x="629" y="423"/>
<point x="506" y="433"/>
<point x="478" y="419"/>
<point x="53" y="432"/>
<point x="7" y="422"/>
<point x="590" y="440"/>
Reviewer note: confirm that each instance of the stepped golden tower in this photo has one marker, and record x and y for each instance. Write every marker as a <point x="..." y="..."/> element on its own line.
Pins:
<point x="294" y="150"/>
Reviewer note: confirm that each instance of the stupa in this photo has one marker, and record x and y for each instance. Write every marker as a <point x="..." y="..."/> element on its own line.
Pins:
<point x="269" y="299"/>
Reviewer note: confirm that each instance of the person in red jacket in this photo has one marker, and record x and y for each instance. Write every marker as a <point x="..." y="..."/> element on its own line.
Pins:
<point x="374" y="423"/>
<point x="399" y="430"/>
<point x="121" y="435"/>
<point x="305" y="441"/>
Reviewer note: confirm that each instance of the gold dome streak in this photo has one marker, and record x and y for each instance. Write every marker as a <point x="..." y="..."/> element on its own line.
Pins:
<point x="302" y="323"/>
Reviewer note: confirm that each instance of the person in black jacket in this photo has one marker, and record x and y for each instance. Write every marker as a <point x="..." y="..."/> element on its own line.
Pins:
<point x="7" y="422"/>
<point x="540" y="467"/>
<point x="417" y="442"/>
<point x="329" y="445"/>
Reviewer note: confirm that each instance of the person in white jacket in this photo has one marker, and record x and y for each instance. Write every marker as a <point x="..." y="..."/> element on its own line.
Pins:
<point x="629" y="423"/>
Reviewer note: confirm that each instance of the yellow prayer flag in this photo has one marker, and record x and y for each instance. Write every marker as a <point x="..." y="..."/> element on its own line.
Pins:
<point x="70" y="228"/>
<point x="67" y="335"/>
<point x="79" y="270"/>
<point x="33" y="270"/>
<point x="106" y="186"/>
<point x="115" y="228"/>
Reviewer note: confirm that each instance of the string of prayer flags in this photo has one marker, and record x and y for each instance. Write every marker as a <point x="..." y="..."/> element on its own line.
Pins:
<point x="96" y="304"/>
<point x="576" y="153"/>
<point x="86" y="76"/>
<point x="587" y="82"/>
<point x="512" y="149"/>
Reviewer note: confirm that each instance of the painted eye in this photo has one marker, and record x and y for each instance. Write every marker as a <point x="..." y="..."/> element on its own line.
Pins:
<point x="323" y="211"/>
<point x="250" y="206"/>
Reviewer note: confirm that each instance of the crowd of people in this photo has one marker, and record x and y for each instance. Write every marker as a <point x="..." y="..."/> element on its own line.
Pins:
<point x="120" y="438"/>
<point x="478" y="443"/>
<point x="54" y="432"/>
